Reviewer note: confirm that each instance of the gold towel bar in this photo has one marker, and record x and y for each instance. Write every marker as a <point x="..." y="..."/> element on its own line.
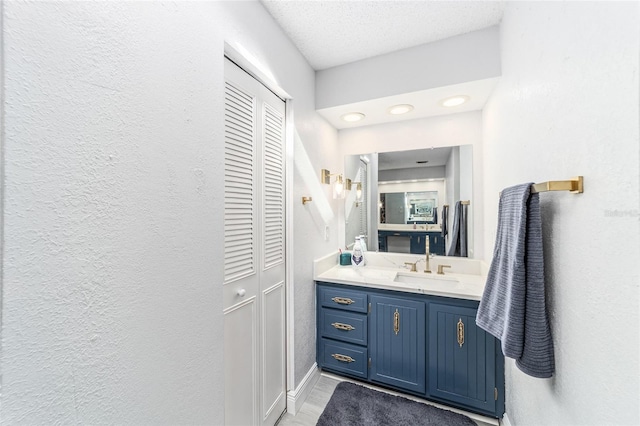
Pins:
<point x="463" y="202"/>
<point x="574" y="185"/>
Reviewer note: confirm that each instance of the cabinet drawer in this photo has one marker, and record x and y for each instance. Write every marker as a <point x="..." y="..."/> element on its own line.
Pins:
<point x="343" y="357"/>
<point x="346" y="326"/>
<point x="346" y="299"/>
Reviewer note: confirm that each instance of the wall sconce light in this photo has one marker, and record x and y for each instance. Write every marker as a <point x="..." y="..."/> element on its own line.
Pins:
<point x="339" y="185"/>
<point x="358" y="193"/>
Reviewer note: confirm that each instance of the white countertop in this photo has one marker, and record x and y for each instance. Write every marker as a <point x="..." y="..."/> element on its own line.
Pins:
<point x="409" y="228"/>
<point x="456" y="285"/>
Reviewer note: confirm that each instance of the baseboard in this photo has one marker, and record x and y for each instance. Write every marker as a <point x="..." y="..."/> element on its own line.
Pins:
<point x="296" y="397"/>
<point x="505" y="420"/>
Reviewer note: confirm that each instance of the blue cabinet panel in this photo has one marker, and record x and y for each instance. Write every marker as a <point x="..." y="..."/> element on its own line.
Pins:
<point x="417" y="241"/>
<point x="346" y="326"/>
<point x="436" y="243"/>
<point x="397" y="342"/>
<point x="343" y="298"/>
<point x="343" y="357"/>
<point x="461" y="358"/>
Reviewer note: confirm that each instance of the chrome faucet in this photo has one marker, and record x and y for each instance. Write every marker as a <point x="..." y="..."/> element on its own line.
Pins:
<point x="427" y="269"/>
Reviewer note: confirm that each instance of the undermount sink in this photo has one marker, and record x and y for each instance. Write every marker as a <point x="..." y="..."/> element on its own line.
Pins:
<point x="424" y="279"/>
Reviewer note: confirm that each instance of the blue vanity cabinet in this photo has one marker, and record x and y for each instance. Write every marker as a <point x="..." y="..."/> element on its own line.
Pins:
<point x="397" y="345"/>
<point x="436" y="243"/>
<point x="342" y="329"/>
<point x="466" y="365"/>
<point x="416" y="241"/>
<point x="421" y="344"/>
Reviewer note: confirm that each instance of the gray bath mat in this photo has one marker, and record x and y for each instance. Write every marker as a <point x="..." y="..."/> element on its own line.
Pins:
<point x="352" y="405"/>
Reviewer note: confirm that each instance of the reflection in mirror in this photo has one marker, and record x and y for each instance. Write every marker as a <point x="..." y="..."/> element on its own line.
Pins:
<point x="356" y="201"/>
<point x="412" y="189"/>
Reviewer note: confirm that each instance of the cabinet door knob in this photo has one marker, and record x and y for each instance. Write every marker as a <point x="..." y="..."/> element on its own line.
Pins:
<point x="241" y="292"/>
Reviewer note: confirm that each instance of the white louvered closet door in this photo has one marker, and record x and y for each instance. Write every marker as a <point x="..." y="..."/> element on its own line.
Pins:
<point x="254" y="290"/>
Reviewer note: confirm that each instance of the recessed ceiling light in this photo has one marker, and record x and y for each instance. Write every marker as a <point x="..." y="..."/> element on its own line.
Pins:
<point x="352" y="117"/>
<point x="400" y="109"/>
<point x="454" y="101"/>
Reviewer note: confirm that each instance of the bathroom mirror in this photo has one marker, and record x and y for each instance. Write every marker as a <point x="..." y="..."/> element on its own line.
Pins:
<point x="403" y="190"/>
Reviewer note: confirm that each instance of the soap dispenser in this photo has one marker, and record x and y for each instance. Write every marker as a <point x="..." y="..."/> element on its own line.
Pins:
<point x="363" y="243"/>
<point x="357" y="255"/>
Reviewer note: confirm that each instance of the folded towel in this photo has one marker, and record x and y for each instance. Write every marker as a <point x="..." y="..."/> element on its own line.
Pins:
<point x="459" y="233"/>
<point x="445" y="219"/>
<point x="513" y="304"/>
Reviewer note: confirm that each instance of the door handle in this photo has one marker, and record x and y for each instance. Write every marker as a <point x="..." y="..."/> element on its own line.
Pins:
<point x="396" y="322"/>
<point x="341" y="326"/>
<point x="460" y="332"/>
<point x="342" y="358"/>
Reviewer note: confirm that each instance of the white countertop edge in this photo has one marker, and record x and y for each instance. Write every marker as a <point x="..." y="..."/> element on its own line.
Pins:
<point x="469" y="287"/>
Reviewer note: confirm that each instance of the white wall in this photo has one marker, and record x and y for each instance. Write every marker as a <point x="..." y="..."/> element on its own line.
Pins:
<point x="450" y="130"/>
<point x="567" y="105"/>
<point x="113" y="158"/>
<point x="453" y="60"/>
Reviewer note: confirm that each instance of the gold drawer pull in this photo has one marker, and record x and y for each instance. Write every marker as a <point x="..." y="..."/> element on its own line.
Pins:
<point x="343" y="358"/>
<point x="340" y="326"/>
<point x="342" y="300"/>
<point x="460" y="332"/>
<point x="396" y="322"/>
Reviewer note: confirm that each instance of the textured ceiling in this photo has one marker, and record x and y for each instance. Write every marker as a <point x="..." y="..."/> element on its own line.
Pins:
<point x="331" y="33"/>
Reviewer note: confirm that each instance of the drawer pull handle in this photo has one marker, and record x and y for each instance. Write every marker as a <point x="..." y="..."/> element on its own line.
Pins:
<point x="340" y="326"/>
<point x="396" y="322"/>
<point x="460" y="332"/>
<point x="343" y="358"/>
<point x="342" y="300"/>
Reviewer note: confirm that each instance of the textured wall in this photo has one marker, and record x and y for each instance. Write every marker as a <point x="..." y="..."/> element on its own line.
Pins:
<point x="567" y="105"/>
<point x="111" y="200"/>
<point x="113" y="206"/>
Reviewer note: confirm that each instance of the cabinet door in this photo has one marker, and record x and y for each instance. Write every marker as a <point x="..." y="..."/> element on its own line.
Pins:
<point x="397" y="342"/>
<point x="436" y="244"/>
<point x="461" y="358"/>
<point x="418" y="243"/>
